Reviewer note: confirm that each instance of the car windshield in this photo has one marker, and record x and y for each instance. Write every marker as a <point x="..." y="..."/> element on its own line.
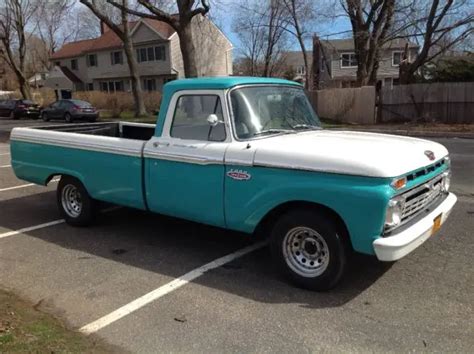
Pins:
<point x="259" y="111"/>
<point x="81" y="104"/>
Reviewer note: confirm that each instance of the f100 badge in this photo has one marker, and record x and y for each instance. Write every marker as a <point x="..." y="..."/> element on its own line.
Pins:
<point x="239" y="175"/>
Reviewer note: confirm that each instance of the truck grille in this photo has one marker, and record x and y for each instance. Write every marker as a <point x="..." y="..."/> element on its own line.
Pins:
<point x="421" y="197"/>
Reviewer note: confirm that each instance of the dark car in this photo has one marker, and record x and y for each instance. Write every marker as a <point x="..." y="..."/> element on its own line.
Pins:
<point x="16" y="109"/>
<point x="70" y="110"/>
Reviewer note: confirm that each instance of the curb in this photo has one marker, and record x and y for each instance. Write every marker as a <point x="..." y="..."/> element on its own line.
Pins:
<point x="425" y="134"/>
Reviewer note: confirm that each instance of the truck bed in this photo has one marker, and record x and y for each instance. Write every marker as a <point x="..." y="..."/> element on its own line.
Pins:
<point x="105" y="157"/>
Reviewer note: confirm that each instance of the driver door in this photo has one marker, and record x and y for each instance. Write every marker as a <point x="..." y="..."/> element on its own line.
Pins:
<point x="185" y="166"/>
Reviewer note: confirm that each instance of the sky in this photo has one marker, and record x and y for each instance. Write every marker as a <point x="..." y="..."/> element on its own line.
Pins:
<point x="223" y="13"/>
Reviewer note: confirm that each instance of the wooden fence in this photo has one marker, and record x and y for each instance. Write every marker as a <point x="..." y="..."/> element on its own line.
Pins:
<point x="437" y="102"/>
<point x="348" y="105"/>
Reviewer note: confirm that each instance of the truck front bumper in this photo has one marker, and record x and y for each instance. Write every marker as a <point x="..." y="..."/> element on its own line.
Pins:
<point x="400" y="244"/>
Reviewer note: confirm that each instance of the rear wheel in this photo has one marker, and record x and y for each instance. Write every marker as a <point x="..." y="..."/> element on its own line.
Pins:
<point x="45" y="117"/>
<point x="74" y="202"/>
<point x="13" y="116"/>
<point x="92" y="120"/>
<point x="68" y="117"/>
<point x="308" y="249"/>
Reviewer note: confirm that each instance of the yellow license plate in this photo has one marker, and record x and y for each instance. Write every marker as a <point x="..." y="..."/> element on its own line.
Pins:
<point x="436" y="223"/>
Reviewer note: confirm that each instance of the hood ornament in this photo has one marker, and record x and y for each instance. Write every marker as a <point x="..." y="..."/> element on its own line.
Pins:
<point x="430" y="154"/>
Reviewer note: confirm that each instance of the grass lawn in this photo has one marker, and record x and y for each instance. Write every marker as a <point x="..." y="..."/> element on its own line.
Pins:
<point x="27" y="330"/>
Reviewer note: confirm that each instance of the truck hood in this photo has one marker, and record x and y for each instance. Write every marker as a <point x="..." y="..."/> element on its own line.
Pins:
<point x="347" y="152"/>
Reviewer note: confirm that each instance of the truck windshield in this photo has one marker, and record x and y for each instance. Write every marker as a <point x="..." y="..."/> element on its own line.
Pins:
<point x="259" y="111"/>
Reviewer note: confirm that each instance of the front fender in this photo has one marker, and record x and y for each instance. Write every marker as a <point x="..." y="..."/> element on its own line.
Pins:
<point x="359" y="201"/>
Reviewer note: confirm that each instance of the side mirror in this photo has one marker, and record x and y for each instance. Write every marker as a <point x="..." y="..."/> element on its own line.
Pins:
<point x="213" y="120"/>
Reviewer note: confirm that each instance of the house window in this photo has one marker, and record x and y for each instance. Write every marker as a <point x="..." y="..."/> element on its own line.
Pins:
<point x="300" y="70"/>
<point x="116" y="58"/>
<point x="90" y="86"/>
<point x="151" y="54"/>
<point x="348" y="60"/>
<point x="74" y="64"/>
<point x="92" y="60"/>
<point x="396" y="58"/>
<point x="111" y="86"/>
<point x="149" y="84"/>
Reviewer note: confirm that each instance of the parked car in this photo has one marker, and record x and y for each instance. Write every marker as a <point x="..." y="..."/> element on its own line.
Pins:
<point x="250" y="155"/>
<point x="70" y="110"/>
<point x="16" y="109"/>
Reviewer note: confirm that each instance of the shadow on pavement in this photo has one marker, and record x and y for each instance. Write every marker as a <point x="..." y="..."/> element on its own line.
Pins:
<point x="173" y="247"/>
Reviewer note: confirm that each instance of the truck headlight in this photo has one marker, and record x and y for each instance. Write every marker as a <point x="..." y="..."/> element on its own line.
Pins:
<point x="393" y="217"/>
<point x="446" y="181"/>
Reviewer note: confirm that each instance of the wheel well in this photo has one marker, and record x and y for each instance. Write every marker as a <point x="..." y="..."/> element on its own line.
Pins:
<point x="269" y="219"/>
<point x="50" y="178"/>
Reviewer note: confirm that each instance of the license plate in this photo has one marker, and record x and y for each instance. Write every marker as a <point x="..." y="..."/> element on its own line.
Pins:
<point x="436" y="224"/>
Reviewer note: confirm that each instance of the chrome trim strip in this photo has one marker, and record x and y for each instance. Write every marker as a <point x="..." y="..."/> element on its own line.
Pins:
<point x="81" y="146"/>
<point x="182" y="158"/>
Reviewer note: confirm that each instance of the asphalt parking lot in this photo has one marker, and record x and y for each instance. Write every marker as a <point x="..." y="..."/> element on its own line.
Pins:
<point x="423" y="302"/>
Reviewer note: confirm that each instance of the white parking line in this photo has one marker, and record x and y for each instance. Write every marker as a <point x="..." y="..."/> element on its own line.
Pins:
<point x="4" y="154"/>
<point x="5" y="166"/>
<point x="25" y="185"/>
<point x="165" y="289"/>
<point x="31" y="228"/>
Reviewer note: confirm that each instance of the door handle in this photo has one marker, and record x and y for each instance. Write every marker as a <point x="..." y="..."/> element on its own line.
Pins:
<point x="157" y="145"/>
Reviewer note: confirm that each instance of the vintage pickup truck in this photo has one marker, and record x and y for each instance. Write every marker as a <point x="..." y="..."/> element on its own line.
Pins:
<point x="249" y="154"/>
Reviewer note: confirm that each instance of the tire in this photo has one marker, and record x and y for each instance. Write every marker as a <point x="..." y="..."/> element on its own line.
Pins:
<point x="45" y="117"/>
<point x="74" y="203"/>
<point x="92" y="120"/>
<point x="68" y="118"/>
<point x="14" y="116"/>
<point x="308" y="249"/>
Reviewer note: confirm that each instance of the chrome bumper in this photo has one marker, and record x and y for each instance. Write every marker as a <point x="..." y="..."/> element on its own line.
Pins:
<point x="400" y="244"/>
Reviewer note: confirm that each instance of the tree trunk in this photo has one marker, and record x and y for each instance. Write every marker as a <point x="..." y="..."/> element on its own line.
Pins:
<point x="24" y="86"/>
<point x="140" y="109"/>
<point x="188" y="50"/>
<point x="406" y="75"/>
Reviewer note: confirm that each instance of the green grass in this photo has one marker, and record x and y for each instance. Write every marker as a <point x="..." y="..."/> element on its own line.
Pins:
<point x="128" y="116"/>
<point x="24" y="329"/>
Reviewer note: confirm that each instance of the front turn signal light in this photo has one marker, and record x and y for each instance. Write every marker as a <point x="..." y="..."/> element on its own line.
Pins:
<point x="399" y="183"/>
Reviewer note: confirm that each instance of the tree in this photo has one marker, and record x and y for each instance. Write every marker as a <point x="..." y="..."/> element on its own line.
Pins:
<point x="161" y="11"/>
<point x="15" y="16"/>
<point x="438" y="25"/>
<point x="371" y="21"/>
<point x="261" y="30"/>
<point x="122" y="30"/>
<point x="453" y="69"/>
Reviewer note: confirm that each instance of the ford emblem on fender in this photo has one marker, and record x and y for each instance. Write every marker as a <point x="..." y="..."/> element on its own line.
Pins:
<point x="239" y="175"/>
<point x="430" y="154"/>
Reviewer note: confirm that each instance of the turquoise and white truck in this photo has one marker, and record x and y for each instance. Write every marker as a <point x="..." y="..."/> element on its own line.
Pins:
<point x="249" y="154"/>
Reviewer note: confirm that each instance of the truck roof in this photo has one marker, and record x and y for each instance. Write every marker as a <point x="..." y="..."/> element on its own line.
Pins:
<point x="223" y="82"/>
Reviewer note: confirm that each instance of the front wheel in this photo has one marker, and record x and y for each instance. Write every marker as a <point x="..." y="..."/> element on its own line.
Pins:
<point x="44" y="116"/>
<point x="308" y="248"/>
<point x="68" y="117"/>
<point x="74" y="202"/>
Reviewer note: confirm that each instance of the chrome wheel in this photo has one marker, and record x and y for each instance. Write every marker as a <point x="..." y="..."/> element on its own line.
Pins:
<point x="306" y="252"/>
<point x="71" y="201"/>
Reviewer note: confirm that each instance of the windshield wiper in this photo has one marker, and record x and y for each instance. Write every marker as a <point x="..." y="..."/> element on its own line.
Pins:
<point x="273" y="131"/>
<point x="306" y="127"/>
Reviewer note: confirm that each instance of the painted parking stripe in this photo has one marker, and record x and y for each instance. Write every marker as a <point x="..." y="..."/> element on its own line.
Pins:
<point x="165" y="289"/>
<point x="5" y="154"/>
<point x="5" y="166"/>
<point x="47" y="224"/>
<point x="31" y="228"/>
<point x="24" y="186"/>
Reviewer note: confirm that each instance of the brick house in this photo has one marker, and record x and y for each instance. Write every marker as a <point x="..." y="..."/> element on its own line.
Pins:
<point x="100" y="63"/>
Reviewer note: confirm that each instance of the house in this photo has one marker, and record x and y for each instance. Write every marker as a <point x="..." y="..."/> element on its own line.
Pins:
<point x="335" y="62"/>
<point x="38" y="79"/>
<point x="100" y="63"/>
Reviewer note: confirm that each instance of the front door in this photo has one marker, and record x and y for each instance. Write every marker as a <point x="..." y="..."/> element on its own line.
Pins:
<point x="185" y="166"/>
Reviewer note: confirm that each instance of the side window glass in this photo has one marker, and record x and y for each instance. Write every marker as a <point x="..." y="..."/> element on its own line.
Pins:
<point x="190" y="120"/>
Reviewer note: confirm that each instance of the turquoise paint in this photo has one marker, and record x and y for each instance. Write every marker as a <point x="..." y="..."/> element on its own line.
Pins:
<point x="189" y="191"/>
<point x="108" y="177"/>
<point x="420" y="180"/>
<point x="360" y="201"/>
<point x="209" y="83"/>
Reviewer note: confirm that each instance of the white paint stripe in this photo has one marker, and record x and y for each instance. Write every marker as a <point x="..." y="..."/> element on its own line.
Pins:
<point x="165" y="289"/>
<point x="31" y="228"/>
<point x="5" y="166"/>
<point x="47" y="224"/>
<point x="4" y="154"/>
<point x="24" y="186"/>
